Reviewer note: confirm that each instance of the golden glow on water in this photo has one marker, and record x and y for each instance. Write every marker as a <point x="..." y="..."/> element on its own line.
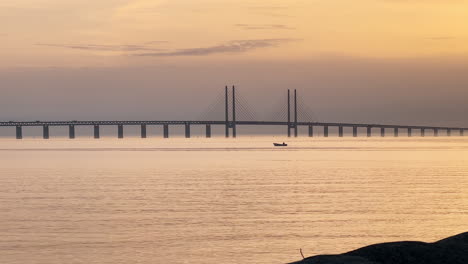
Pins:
<point x="224" y="201"/>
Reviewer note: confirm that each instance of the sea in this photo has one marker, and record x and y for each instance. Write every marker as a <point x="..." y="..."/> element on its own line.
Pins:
<point x="207" y="201"/>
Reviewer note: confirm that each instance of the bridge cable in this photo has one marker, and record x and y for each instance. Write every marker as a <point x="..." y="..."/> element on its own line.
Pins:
<point x="215" y="110"/>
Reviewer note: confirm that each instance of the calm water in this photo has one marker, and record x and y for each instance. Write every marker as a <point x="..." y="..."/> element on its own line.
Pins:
<point x="224" y="201"/>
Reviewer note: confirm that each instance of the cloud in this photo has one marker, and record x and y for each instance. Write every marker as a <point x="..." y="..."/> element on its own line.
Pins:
<point x="264" y="26"/>
<point x="156" y="42"/>
<point x="272" y="11"/>
<point x="441" y="38"/>
<point x="269" y="8"/>
<point x="148" y="46"/>
<point x="235" y="46"/>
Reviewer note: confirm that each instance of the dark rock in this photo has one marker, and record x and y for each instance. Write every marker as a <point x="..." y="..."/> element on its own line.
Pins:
<point x="452" y="250"/>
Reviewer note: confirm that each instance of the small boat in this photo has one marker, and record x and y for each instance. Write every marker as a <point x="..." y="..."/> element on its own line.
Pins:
<point x="280" y="144"/>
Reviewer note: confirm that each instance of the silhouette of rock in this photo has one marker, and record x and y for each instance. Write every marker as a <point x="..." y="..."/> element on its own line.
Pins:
<point x="452" y="250"/>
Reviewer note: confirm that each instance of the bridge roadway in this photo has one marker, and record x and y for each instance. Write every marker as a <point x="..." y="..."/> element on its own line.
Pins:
<point x="228" y="125"/>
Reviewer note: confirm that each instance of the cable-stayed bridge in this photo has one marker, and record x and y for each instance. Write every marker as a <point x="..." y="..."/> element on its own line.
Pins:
<point x="231" y="110"/>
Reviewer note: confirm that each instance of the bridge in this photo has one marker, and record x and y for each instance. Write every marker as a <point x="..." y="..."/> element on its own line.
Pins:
<point x="231" y="108"/>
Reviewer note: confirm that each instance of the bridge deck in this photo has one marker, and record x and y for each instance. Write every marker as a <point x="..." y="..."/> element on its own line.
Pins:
<point x="192" y="122"/>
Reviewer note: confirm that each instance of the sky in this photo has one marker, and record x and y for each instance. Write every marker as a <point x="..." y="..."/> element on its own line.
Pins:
<point x="381" y="61"/>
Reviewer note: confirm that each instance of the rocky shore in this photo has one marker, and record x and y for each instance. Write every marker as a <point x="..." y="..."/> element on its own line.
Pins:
<point x="452" y="250"/>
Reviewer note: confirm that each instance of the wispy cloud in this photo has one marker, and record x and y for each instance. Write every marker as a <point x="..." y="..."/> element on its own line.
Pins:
<point x="151" y="49"/>
<point x="268" y="8"/>
<point x="441" y="38"/>
<point x="236" y="46"/>
<point x="272" y="11"/>
<point x="262" y="26"/>
<point x="148" y="46"/>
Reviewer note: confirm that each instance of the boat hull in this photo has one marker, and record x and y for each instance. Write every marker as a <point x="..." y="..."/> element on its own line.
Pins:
<point x="280" y="145"/>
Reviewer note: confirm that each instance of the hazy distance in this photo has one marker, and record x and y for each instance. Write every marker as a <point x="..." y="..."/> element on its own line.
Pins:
<point x="335" y="89"/>
<point x="376" y="61"/>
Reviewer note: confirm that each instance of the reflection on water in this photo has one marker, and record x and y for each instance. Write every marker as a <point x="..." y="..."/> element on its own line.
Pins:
<point x="224" y="201"/>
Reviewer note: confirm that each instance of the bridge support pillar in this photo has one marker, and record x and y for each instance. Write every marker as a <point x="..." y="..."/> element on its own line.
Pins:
<point x="461" y="132"/>
<point x="208" y="131"/>
<point x="449" y="132"/>
<point x="166" y="131"/>
<point x="340" y="131"/>
<point x="382" y="131"/>
<point x="120" y="133"/>
<point x="187" y="130"/>
<point x="355" y="130"/>
<point x="45" y="132"/>
<point x="71" y="131"/>
<point x="369" y="131"/>
<point x="436" y="132"/>
<point x="19" y="132"/>
<point x="143" y="130"/>
<point x="409" y="132"/>
<point x="395" y="131"/>
<point x="423" y="132"/>
<point x="325" y="131"/>
<point x="96" y="131"/>
<point x="311" y="131"/>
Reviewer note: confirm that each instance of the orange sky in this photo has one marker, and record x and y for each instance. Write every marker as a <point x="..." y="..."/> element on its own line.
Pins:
<point x="393" y="61"/>
<point x="107" y="33"/>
